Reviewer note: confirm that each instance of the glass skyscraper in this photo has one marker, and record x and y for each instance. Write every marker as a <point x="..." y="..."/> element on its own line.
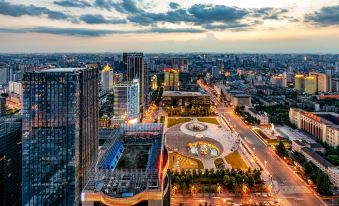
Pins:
<point x="126" y="101"/>
<point x="10" y="161"/>
<point x="60" y="134"/>
<point x="134" y="63"/>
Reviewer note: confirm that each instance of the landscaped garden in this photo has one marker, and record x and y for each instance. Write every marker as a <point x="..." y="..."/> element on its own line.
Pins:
<point x="236" y="161"/>
<point x="184" y="161"/>
<point x="210" y="120"/>
<point x="171" y="121"/>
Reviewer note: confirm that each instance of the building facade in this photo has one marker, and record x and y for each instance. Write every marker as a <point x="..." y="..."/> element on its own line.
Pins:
<point x="10" y="163"/>
<point x="171" y="80"/>
<point x="278" y="81"/>
<point x="134" y="63"/>
<point x="3" y="109"/>
<point x="323" y="81"/>
<point x="299" y="82"/>
<point x="322" y="125"/>
<point x="126" y="101"/>
<point x="60" y="134"/>
<point x="311" y="86"/>
<point x="107" y="78"/>
<point x="241" y="100"/>
<point x="154" y="82"/>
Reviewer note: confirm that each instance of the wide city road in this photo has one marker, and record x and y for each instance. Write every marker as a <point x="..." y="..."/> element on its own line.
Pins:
<point x="291" y="189"/>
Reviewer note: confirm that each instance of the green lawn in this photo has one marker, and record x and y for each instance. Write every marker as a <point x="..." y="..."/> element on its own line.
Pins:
<point x="209" y="120"/>
<point x="171" y="121"/>
<point x="236" y="161"/>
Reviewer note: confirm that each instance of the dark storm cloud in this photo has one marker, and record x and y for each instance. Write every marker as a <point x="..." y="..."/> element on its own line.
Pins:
<point x="72" y="3"/>
<point x="327" y="16"/>
<point x="99" y="19"/>
<point x="17" y="10"/>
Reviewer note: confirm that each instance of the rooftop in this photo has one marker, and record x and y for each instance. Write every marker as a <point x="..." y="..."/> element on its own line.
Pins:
<point x="182" y="94"/>
<point x="329" y="116"/>
<point x="63" y="69"/>
<point x="317" y="157"/>
<point x="130" y="162"/>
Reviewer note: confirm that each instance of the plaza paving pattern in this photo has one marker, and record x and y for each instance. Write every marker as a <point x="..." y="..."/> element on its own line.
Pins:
<point x="178" y="137"/>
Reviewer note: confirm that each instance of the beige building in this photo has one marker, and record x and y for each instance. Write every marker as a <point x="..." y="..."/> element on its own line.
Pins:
<point x="278" y="81"/>
<point x="261" y="116"/>
<point x="323" y="81"/>
<point x="241" y="100"/>
<point x="322" y="125"/>
<point x="154" y="82"/>
<point x="310" y="155"/>
<point x="171" y="80"/>
<point x="299" y="82"/>
<point x="311" y="86"/>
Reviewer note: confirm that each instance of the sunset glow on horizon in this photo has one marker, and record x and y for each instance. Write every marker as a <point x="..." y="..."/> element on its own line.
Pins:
<point x="169" y="26"/>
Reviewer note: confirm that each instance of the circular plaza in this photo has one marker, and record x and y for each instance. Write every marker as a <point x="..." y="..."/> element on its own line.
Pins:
<point x="201" y="140"/>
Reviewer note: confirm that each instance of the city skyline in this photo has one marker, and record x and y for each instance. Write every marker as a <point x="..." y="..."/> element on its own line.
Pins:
<point x="169" y="26"/>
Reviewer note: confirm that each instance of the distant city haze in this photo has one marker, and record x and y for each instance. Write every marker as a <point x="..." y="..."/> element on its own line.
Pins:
<point x="280" y="26"/>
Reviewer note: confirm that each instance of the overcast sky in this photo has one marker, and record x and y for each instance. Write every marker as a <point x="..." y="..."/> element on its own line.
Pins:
<point x="276" y="26"/>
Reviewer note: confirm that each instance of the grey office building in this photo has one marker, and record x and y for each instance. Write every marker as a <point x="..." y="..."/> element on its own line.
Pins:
<point x="134" y="63"/>
<point x="60" y="134"/>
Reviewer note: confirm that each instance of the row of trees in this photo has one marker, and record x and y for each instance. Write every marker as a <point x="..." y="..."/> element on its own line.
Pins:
<point x="281" y="150"/>
<point x="197" y="181"/>
<point x="190" y="111"/>
<point x="157" y="95"/>
<point x="247" y="117"/>
<point x="278" y="114"/>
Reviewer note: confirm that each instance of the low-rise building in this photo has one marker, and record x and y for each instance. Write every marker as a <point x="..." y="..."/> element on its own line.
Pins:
<point x="322" y="125"/>
<point x="177" y="98"/>
<point x="241" y="100"/>
<point x="261" y="116"/>
<point x="324" y="165"/>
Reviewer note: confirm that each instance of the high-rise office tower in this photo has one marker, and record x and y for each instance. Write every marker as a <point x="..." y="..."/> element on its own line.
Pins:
<point x="323" y="81"/>
<point x="299" y="82"/>
<point x="126" y="102"/>
<point x="171" y="80"/>
<point x="215" y="71"/>
<point x="154" y="82"/>
<point x="2" y="106"/>
<point x="311" y="85"/>
<point x="60" y="134"/>
<point x="288" y="78"/>
<point x="10" y="163"/>
<point x="4" y="76"/>
<point x="107" y="78"/>
<point x="134" y="64"/>
<point x="277" y="80"/>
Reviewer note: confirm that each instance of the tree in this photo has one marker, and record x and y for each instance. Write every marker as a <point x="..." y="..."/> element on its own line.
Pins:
<point x="226" y="180"/>
<point x="232" y="182"/>
<point x="281" y="150"/>
<point x="250" y="181"/>
<point x="256" y="175"/>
